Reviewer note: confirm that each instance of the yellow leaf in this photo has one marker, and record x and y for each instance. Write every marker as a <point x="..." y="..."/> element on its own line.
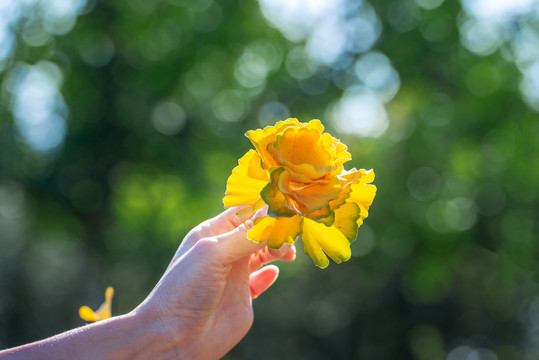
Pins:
<point x="104" y="311"/>
<point x="87" y="314"/>
<point x="300" y="150"/>
<point x="330" y="240"/>
<point x="241" y="188"/>
<point x="338" y="150"/>
<point x="346" y="218"/>
<point x="262" y="137"/>
<point x="277" y="205"/>
<point x="276" y="230"/>
<point x="317" y="195"/>
<point x="315" y="124"/>
<point x="363" y="195"/>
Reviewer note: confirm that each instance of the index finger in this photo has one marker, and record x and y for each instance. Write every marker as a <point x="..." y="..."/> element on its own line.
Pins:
<point x="221" y="224"/>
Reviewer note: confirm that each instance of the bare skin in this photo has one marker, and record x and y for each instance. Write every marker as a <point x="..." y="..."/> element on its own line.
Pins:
<point x="200" y="309"/>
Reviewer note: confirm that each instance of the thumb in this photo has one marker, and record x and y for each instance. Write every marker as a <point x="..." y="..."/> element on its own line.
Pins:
<point x="235" y="244"/>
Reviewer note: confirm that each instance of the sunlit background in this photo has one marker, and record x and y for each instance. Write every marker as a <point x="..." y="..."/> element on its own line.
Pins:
<point x="120" y="122"/>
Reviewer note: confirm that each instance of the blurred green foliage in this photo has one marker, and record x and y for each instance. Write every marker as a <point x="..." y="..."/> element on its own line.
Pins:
<point x="121" y="121"/>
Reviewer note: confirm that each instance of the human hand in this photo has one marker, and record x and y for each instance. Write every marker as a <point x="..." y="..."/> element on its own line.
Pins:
<point x="203" y="302"/>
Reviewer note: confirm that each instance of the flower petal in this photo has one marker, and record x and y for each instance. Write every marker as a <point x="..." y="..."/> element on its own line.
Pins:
<point x="244" y="185"/>
<point x="367" y="176"/>
<point x="276" y="230"/>
<point x="104" y="311"/>
<point x="315" y="124"/>
<point x="327" y="220"/>
<point x="311" y="196"/>
<point x="312" y="248"/>
<point x="338" y="150"/>
<point x="247" y="212"/>
<point x="260" y="138"/>
<point x="318" y="195"/>
<point x="317" y="236"/>
<point x="87" y="314"/>
<point x="300" y="150"/>
<point x="277" y="204"/>
<point x="321" y="214"/>
<point x="346" y="218"/>
<point x="363" y="195"/>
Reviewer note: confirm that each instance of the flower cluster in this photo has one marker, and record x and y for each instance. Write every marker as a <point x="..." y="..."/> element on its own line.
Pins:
<point x="297" y="171"/>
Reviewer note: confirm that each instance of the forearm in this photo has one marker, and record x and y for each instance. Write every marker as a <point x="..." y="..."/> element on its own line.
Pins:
<point x="121" y="337"/>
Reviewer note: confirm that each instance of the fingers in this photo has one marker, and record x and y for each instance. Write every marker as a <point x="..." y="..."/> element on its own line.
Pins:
<point x="221" y="224"/>
<point x="287" y="252"/>
<point x="235" y="244"/>
<point x="261" y="280"/>
<point x="278" y="253"/>
<point x="228" y="221"/>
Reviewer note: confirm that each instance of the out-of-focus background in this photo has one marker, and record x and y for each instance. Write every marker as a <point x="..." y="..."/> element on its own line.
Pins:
<point x="120" y="122"/>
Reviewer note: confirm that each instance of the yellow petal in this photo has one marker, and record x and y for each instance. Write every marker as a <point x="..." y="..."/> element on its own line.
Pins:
<point x="324" y="215"/>
<point x="363" y="195"/>
<point x="260" y="138"/>
<point x="277" y="204"/>
<point x="328" y="220"/>
<point x="109" y="293"/>
<point x="87" y="314"/>
<point x="104" y="311"/>
<point x="367" y="176"/>
<point x="346" y="218"/>
<point x="261" y="229"/>
<point x="330" y="240"/>
<point x="350" y="176"/>
<point x="276" y="230"/>
<point x="337" y="150"/>
<point x="248" y="211"/>
<point x="244" y="185"/>
<point x="301" y="150"/>
<point x="318" y="195"/>
<point x="312" y="248"/>
<point x="315" y="124"/>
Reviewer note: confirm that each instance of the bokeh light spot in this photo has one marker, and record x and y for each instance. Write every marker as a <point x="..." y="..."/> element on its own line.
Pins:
<point x="96" y="49"/>
<point x="271" y="112"/>
<point x="229" y="106"/>
<point x="429" y="4"/>
<point x="375" y="71"/>
<point x="480" y="36"/>
<point x="168" y="117"/>
<point x="360" y="112"/>
<point x="38" y="106"/>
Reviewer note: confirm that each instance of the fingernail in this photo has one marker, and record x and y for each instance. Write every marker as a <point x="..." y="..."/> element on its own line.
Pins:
<point x="261" y="213"/>
<point x="285" y="247"/>
<point x="278" y="253"/>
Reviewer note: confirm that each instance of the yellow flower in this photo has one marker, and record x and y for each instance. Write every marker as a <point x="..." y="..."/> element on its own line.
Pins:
<point x="297" y="170"/>
<point x="104" y="310"/>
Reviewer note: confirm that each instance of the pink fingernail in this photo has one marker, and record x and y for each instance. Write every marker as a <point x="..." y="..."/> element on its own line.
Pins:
<point x="260" y="213"/>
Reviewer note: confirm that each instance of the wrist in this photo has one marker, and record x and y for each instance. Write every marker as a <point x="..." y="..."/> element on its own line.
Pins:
<point x="162" y="338"/>
<point x="151" y="339"/>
